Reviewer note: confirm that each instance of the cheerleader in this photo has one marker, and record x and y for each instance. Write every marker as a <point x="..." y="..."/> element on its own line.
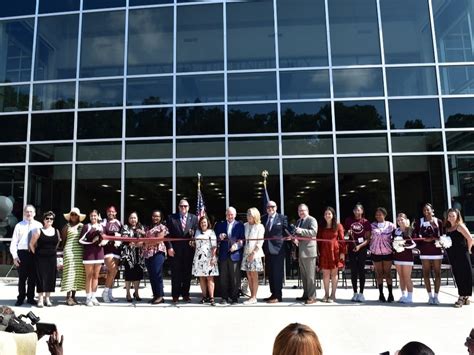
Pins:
<point x="403" y="257"/>
<point x="112" y="227"/>
<point x="93" y="255"/>
<point x="428" y="227"/>
<point x="381" y="251"/>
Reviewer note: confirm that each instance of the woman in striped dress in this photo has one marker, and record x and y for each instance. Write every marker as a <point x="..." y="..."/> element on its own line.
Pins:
<point x="74" y="275"/>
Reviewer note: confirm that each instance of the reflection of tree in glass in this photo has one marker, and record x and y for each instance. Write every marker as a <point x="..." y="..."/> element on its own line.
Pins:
<point x="62" y="104"/>
<point x="12" y="99"/>
<point x="152" y="100"/>
<point x="150" y="122"/>
<point x="357" y="117"/>
<point x="247" y="122"/>
<point x="416" y="123"/>
<point x="200" y="120"/>
<point x="295" y="122"/>
<point x="460" y="120"/>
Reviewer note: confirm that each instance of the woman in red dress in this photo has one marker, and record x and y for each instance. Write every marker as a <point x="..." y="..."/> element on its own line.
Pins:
<point x="331" y="249"/>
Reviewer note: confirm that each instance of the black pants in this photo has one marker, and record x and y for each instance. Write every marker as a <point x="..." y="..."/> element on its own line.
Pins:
<point x="229" y="279"/>
<point x="181" y="267"/>
<point x="460" y="260"/>
<point x="26" y="275"/>
<point x="276" y="273"/>
<point x="357" y="264"/>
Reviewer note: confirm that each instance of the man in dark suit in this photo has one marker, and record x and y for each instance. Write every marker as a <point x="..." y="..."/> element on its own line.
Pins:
<point x="230" y="239"/>
<point x="276" y="226"/>
<point x="181" y="225"/>
<point x="307" y="227"/>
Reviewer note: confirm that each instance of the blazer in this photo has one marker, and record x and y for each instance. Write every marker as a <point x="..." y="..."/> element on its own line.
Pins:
<point x="279" y="230"/>
<point x="256" y="233"/>
<point x="176" y="229"/>
<point x="309" y="229"/>
<point x="237" y="234"/>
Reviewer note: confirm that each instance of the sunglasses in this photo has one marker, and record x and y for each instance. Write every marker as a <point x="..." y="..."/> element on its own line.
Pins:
<point x="49" y="219"/>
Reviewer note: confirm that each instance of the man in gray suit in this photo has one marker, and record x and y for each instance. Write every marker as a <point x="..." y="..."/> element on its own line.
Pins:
<point x="307" y="227"/>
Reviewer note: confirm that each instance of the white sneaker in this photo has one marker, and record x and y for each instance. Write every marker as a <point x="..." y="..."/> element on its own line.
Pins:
<point x="431" y="300"/>
<point x="435" y="301"/>
<point x="39" y="304"/>
<point x="111" y="298"/>
<point x="402" y="299"/>
<point x="407" y="301"/>
<point x="106" y="297"/>
<point x="89" y="303"/>
<point x="355" y="298"/>
<point x="361" y="298"/>
<point x="95" y="301"/>
<point x="251" y="301"/>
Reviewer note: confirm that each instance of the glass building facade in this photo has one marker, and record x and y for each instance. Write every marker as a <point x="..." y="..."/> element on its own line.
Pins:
<point x="123" y="102"/>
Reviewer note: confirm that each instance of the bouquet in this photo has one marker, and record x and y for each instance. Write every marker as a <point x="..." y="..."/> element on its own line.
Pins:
<point x="398" y="244"/>
<point x="444" y="242"/>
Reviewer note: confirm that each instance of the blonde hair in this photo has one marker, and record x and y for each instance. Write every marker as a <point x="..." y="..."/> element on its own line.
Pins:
<point x="459" y="219"/>
<point x="297" y="339"/>
<point x="404" y="216"/>
<point x="255" y="214"/>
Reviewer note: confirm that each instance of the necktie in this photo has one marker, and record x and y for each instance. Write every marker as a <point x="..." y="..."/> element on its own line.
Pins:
<point x="183" y="222"/>
<point x="270" y="222"/>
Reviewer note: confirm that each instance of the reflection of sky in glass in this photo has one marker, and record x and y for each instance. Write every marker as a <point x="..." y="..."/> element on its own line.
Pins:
<point x="357" y="82"/>
<point x="150" y="41"/>
<point x="102" y="44"/>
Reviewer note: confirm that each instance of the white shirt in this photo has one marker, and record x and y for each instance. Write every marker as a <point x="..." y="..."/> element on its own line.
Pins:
<point x="20" y="236"/>
<point x="229" y="228"/>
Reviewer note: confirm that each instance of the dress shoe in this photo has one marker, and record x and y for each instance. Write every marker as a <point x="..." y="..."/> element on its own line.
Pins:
<point x="18" y="303"/>
<point x="273" y="300"/>
<point x="301" y="299"/>
<point x="310" y="301"/>
<point x="268" y="298"/>
<point x="175" y="300"/>
<point x="158" y="300"/>
<point x="32" y="302"/>
<point x="129" y="299"/>
<point x="152" y="300"/>
<point x="135" y="295"/>
<point x="187" y="299"/>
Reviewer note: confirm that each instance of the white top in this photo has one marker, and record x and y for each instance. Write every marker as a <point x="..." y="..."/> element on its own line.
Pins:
<point x="20" y="236"/>
<point x="254" y="238"/>
<point x="207" y="235"/>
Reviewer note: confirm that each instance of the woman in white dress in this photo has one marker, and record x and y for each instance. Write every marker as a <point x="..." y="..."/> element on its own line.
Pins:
<point x="253" y="252"/>
<point x="205" y="260"/>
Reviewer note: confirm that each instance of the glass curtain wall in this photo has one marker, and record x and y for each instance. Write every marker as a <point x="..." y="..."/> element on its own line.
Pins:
<point x="340" y="101"/>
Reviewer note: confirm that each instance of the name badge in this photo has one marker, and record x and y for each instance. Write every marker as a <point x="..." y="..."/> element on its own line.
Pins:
<point x="426" y="224"/>
<point x="380" y="225"/>
<point x="360" y="240"/>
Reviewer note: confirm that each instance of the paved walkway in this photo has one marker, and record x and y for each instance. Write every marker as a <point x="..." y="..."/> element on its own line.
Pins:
<point x="343" y="327"/>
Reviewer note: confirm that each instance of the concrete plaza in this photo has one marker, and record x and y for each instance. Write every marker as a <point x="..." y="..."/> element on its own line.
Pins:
<point x="343" y="327"/>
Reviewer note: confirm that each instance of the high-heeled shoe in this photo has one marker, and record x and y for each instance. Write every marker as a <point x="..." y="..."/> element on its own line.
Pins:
<point x="135" y="295"/>
<point x="129" y="298"/>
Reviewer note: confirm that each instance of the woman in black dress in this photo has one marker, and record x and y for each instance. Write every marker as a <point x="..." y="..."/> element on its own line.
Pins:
<point x="460" y="255"/>
<point x="43" y="244"/>
<point x="132" y="256"/>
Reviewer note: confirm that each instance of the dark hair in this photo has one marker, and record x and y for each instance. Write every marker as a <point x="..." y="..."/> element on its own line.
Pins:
<point x="427" y="204"/>
<point x="205" y="217"/>
<point x="111" y="206"/>
<point x="415" y="348"/>
<point x="297" y="339"/>
<point x="49" y="213"/>
<point x="334" y="218"/>
<point x="382" y="210"/>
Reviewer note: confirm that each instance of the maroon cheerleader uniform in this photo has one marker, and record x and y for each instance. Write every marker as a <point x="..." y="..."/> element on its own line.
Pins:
<point x="90" y="238"/>
<point x="428" y="229"/>
<point x="406" y="256"/>
<point x="110" y="228"/>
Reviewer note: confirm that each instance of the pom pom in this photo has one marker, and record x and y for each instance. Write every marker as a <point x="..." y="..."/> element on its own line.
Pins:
<point x="398" y="244"/>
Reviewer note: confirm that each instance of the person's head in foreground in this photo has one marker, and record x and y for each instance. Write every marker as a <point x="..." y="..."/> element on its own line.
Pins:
<point x="297" y="339"/>
<point x="415" y="348"/>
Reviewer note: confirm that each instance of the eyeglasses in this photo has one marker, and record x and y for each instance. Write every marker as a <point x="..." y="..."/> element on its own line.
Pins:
<point x="49" y="219"/>
<point x="184" y="206"/>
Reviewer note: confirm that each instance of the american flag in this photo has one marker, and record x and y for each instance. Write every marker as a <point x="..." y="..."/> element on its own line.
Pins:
<point x="265" y="196"/>
<point x="200" y="207"/>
